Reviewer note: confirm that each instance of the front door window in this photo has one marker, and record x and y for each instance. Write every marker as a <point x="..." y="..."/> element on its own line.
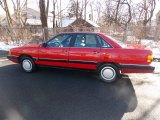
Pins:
<point x="60" y="41"/>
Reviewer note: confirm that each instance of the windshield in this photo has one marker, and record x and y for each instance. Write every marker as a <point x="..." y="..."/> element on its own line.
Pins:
<point x="122" y="44"/>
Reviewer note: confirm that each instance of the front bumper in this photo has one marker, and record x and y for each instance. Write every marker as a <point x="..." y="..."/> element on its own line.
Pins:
<point x="13" y="58"/>
<point x="129" y="68"/>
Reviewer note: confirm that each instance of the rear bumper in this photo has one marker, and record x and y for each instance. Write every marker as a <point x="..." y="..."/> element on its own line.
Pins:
<point x="129" y="68"/>
<point x="13" y="58"/>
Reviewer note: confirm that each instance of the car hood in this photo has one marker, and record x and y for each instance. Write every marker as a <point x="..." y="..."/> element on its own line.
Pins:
<point x="31" y="46"/>
<point x="24" y="48"/>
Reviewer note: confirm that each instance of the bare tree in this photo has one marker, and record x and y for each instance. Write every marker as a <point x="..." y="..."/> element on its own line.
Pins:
<point x="91" y="9"/>
<point x="54" y="14"/>
<point x="0" y="20"/>
<point x="145" y="13"/>
<point x="47" y="8"/>
<point x="74" y="9"/>
<point x="98" y="10"/>
<point x="78" y="8"/>
<point x="85" y="9"/>
<point x="126" y="18"/>
<point x="43" y="18"/>
<point x="118" y="13"/>
<point x="4" y="5"/>
<point x="19" y="6"/>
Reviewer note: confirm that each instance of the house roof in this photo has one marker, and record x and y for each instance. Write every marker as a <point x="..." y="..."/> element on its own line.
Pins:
<point x="33" y="22"/>
<point x="92" y="23"/>
<point x="30" y="12"/>
<point x="68" y="21"/>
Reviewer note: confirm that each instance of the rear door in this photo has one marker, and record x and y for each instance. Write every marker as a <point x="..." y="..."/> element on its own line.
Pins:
<point x="85" y="51"/>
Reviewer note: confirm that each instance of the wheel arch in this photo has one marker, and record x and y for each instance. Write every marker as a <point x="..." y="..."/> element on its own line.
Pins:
<point x="23" y="55"/>
<point x="112" y="63"/>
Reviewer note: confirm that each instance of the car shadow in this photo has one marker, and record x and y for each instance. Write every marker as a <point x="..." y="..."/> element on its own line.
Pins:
<point x="58" y="94"/>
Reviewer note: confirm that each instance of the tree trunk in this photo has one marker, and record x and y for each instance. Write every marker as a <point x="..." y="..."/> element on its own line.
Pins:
<point x="43" y="18"/>
<point x="47" y="8"/>
<point x="157" y="31"/>
<point x="54" y="16"/>
<point x="125" y="35"/>
<point x="77" y="12"/>
<point x="9" y="19"/>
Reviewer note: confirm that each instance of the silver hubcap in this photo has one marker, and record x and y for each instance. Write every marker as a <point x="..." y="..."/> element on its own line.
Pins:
<point x="27" y="65"/>
<point x="108" y="73"/>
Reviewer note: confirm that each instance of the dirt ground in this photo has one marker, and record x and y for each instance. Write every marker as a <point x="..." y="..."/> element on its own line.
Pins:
<point x="147" y="89"/>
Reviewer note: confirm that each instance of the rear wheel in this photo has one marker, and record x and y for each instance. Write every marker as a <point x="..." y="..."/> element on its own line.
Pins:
<point x="109" y="73"/>
<point x="27" y="64"/>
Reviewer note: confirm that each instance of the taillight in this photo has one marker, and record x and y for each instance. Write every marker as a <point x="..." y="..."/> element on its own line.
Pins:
<point x="149" y="58"/>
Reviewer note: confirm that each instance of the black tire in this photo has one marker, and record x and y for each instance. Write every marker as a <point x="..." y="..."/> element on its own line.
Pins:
<point x="109" y="73"/>
<point x="27" y="64"/>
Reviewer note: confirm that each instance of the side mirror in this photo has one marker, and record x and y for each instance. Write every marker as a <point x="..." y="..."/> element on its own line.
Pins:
<point x="44" y="44"/>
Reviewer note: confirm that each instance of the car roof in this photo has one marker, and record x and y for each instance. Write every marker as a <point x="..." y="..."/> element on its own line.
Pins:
<point x="79" y="33"/>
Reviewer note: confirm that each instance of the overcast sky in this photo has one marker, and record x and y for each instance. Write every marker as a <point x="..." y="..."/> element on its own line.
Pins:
<point x="34" y="4"/>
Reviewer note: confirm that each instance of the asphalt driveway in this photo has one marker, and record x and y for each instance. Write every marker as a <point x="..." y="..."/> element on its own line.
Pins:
<point x="57" y="94"/>
<point x="52" y="94"/>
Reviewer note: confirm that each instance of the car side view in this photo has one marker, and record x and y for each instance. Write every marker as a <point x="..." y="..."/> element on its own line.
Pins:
<point x="90" y="51"/>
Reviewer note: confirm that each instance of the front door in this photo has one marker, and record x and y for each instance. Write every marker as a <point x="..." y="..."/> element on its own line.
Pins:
<point x="85" y="52"/>
<point x="56" y="51"/>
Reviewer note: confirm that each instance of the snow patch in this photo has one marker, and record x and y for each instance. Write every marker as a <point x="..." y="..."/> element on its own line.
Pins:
<point x="5" y="47"/>
<point x="157" y="67"/>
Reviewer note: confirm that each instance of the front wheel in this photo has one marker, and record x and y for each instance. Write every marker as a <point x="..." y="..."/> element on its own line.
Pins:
<point x="27" y="64"/>
<point x="109" y="73"/>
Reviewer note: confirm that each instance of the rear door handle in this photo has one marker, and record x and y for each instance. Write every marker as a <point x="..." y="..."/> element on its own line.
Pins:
<point x="95" y="52"/>
<point x="64" y="51"/>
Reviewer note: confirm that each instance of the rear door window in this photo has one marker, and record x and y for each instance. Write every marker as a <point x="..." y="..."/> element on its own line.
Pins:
<point x="86" y="40"/>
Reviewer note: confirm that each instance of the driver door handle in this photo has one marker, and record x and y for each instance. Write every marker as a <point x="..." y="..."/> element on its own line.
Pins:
<point x="95" y="52"/>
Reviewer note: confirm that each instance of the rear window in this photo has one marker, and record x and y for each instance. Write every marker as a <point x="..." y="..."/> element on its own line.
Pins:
<point x="103" y="43"/>
<point x="122" y="44"/>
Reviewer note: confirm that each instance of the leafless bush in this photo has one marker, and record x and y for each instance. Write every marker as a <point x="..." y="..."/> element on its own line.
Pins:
<point x="28" y="35"/>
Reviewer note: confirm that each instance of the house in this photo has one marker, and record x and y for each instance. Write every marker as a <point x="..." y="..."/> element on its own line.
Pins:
<point x="73" y="24"/>
<point x="30" y="17"/>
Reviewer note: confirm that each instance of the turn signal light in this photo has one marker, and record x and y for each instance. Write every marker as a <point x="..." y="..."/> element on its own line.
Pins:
<point x="9" y="52"/>
<point x="150" y="58"/>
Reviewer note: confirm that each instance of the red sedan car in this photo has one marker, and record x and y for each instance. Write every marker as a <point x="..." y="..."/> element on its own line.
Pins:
<point x="91" y="51"/>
